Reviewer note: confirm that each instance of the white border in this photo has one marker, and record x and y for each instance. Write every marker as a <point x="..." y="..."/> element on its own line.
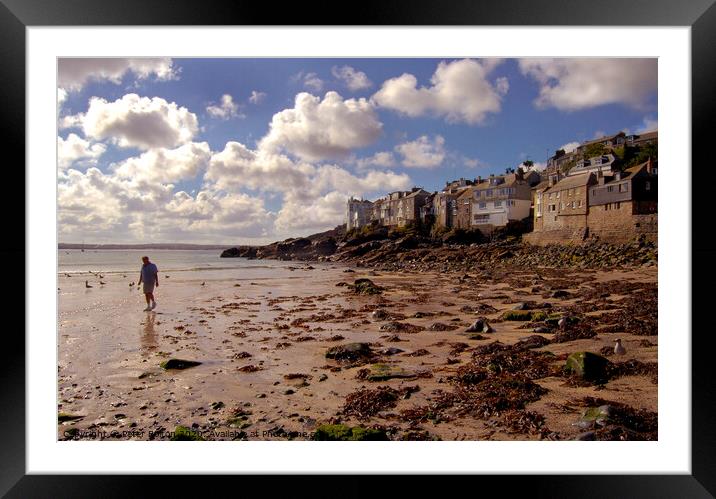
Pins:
<point x="671" y="454"/>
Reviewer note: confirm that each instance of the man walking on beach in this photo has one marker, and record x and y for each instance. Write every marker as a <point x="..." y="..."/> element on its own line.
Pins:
<point x="149" y="275"/>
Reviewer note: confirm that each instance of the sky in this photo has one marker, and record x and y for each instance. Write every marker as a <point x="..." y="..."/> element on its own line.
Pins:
<point x="249" y="151"/>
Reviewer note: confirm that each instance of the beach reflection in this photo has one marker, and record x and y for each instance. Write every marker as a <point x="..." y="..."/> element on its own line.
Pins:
<point x="149" y="336"/>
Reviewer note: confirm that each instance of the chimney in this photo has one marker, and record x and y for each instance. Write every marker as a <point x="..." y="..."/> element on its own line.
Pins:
<point x="650" y="165"/>
<point x="479" y="179"/>
<point x="552" y="179"/>
<point x="600" y="177"/>
<point x="617" y="175"/>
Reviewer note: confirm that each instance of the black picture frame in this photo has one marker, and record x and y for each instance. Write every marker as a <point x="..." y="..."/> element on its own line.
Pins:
<point x="700" y="15"/>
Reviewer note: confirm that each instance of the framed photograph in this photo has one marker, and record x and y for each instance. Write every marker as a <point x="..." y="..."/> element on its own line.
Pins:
<point x="427" y="242"/>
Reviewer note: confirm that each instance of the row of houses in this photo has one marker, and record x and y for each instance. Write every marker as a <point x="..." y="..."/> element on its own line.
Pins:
<point x="609" y="143"/>
<point x="594" y="198"/>
<point x="614" y="206"/>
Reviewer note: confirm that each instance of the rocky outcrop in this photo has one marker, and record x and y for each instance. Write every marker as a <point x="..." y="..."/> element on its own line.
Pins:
<point x="409" y="249"/>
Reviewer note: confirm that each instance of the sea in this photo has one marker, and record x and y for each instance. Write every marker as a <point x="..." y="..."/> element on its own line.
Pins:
<point x="123" y="261"/>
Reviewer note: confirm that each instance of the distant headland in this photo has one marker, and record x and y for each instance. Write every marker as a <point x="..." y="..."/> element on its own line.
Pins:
<point x="155" y="246"/>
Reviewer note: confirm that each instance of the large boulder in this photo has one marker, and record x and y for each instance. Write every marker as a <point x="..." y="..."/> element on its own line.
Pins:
<point x="480" y="326"/>
<point x="593" y="417"/>
<point x="179" y="364"/>
<point x="350" y="351"/>
<point x="587" y="365"/>
<point x="366" y="287"/>
<point x="384" y="372"/>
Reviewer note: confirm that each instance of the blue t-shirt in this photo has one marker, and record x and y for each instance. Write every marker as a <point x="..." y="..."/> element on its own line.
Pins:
<point x="148" y="272"/>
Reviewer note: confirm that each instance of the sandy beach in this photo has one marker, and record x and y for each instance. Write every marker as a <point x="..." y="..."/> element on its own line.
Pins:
<point x="262" y="344"/>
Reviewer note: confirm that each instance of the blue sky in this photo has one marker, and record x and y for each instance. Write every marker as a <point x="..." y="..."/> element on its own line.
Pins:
<point x="147" y="153"/>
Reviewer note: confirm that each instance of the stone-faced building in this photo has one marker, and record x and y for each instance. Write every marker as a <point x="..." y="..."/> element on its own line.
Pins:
<point x="563" y="206"/>
<point x="445" y="202"/>
<point x="624" y="205"/>
<point x="400" y="208"/>
<point x="463" y="209"/>
<point x="616" y="208"/>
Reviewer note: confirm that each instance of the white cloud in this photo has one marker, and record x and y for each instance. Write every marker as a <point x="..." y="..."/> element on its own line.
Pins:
<point x="569" y="146"/>
<point x="71" y="121"/>
<point x="422" y="152"/>
<point x="313" y="196"/>
<point x="108" y="208"/>
<point x="316" y="129"/>
<point x="75" y="151"/>
<point x="384" y="159"/>
<point x="648" y="125"/>
<point x="257" y="97"/>
<point x="134" y="121"/>
<point x="460" y="92"/>
<point x="61" y="97"/>
<point x="582" y="83"/>
<point x="226" y="109"/>
<point x="315" y="215"/>
<point x="471" y="162"/>
<point x="166" y="165"/>
<point x="238" y="167"/>
<point x="355" y="80"/>
<point x="310" y="81"/>
<point x="73" y="73"/>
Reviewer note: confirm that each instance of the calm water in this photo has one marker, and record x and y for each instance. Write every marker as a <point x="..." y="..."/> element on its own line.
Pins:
<point x="114" y="261"/>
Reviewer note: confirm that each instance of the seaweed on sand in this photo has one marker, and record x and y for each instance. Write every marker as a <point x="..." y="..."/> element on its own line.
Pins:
<point x="366" y="403"/>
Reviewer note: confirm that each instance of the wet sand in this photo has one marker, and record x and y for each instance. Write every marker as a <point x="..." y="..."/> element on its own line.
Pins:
<point x="262" y="346"/>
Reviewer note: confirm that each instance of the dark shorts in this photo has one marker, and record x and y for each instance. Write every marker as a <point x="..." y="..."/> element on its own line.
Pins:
<point x="148" y="287"/>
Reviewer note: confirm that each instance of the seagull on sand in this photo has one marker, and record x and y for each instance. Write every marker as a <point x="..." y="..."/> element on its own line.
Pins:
<point x="203" y="283"/>
<point x="87" y="285"/>
<point x="102" y="283"/>
<point x="131" y="284"/>
<point x="619" y="349"/>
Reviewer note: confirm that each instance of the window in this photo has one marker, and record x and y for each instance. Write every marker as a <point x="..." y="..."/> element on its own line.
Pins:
<point x="498" y="204"/>
<point x="610" y="188"/>
<point x="483" y="206"/>
<point x="647" y="186"/>
<point x="580" y="203"/>
<point x="481" y="218"/>
<point x="624" y="187"/>
<point x="617" y="205"/>
<point x="558" y="192"/>
<point x="488" y="193"/>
